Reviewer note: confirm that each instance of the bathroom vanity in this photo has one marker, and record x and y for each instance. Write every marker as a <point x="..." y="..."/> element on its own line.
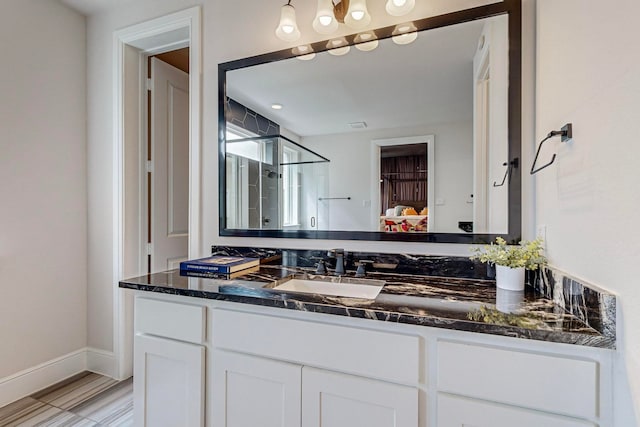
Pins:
<point x="439" y="348"/>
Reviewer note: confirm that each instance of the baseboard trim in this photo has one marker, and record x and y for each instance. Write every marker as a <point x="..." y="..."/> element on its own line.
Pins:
<point x="28" y="381"/>
<point x="102" y="362"/>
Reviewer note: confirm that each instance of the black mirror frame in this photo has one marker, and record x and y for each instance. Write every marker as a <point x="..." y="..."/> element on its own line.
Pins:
<point x="513" y="8"/>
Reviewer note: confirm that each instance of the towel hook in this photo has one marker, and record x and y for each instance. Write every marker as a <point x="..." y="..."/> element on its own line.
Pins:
<point x="566" y="133"/>
<point x="512" y="164"/>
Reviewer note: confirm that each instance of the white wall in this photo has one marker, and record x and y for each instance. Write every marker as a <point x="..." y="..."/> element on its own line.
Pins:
<point x="231" y="30"/>
<point x="350" y="172"/>
<point x="588" y="74"/>
<point x="43" y="229"/>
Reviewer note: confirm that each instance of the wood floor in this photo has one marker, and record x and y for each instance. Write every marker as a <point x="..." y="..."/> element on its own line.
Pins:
<point x="86" y="399"/>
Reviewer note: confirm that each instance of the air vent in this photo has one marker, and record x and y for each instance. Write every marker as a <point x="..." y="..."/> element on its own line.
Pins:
<point x="358" y="125"/>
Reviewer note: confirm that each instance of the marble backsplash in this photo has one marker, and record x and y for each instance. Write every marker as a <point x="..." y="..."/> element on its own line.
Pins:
<point x="423" y="265"/>
<point x="595" y="307"/>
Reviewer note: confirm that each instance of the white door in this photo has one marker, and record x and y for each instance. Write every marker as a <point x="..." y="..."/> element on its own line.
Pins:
<point x="169" y="194"/>
<point x="330" y="399"/>
<point x="456" y="411"/>
<point x="252" y="391"/>
<point x="168" y="382"/>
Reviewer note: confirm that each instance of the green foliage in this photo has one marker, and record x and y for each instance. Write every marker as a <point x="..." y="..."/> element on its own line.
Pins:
<point x="525" y="254"/>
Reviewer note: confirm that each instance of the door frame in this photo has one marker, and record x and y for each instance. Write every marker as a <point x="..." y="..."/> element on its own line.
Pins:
<point x="430" y="140"/>
<point x="158" y="35"/>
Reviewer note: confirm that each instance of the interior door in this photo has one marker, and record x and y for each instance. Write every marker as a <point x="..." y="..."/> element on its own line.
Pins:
<point x="169" y="206"/>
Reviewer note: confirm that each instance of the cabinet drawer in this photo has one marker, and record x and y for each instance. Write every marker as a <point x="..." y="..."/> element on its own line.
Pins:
<point x="373" y="354"/>
<point x="454" y="411"/>
<point x="550" y="383"/>
<point x="183" y="322"/>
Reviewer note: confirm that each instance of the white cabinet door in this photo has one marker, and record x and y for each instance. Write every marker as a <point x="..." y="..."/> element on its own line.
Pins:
<point x="168" y="382"/>
<point x="456" y="411"/>
<point x="253" y="391"/>
<point x="330" y="399"/>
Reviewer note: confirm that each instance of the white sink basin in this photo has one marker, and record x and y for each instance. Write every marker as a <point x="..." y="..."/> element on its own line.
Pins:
<point x="347" y="287"/>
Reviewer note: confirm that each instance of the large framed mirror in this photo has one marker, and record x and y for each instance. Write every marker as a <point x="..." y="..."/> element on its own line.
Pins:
<point x="404" y="133"/>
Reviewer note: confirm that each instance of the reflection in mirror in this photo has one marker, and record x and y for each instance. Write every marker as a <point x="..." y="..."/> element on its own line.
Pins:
<point x="395" y="138"/>
<point x="403" y="188"/>
<point x="274" y="183"/>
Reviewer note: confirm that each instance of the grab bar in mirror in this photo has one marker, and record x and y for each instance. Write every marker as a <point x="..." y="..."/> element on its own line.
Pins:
<point x="512" y="164"/>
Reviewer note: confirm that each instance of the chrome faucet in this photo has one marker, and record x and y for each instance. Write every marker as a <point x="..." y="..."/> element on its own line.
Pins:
<point x="362" y="267"/>
<point x="338" y="254"/>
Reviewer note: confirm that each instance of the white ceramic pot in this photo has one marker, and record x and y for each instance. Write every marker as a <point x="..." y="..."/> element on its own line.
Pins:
<point x="511" y="279"/>
<point x="509" y="301"/>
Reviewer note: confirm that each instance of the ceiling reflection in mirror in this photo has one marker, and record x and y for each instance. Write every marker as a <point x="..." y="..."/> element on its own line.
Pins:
<point x="399" y="138"/>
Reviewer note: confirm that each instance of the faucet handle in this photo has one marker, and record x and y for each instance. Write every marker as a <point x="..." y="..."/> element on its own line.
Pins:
<point x="361" y="271"/>
<point x="321" y="267"/>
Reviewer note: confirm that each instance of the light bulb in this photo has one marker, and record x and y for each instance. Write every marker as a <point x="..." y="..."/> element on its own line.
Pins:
<point x="399" y="7"/>
<point x="338" y="47"/>
<point x="325" y="21"/>
<point x="366" y="41"/>
<point x="405" y="38"/>
<point x="307" y="57"/>
<point x="405" y="34"/>
<point x="288" y="28"/>
<point x="339" y="51"/>
<point x="357" y="16"/>
<point x="368" y="46"/>
<point x="303" y="52"/>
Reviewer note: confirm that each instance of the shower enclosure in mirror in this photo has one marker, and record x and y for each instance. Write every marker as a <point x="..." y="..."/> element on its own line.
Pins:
<point x="423" y="138"/>
<point x="274" y="184"/>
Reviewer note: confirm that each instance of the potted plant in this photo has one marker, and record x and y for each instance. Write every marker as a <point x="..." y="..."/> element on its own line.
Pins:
<point x="511" y="260"/>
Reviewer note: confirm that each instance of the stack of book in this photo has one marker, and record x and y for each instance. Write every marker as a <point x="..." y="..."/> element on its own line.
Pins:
<point x="219" y="266"/>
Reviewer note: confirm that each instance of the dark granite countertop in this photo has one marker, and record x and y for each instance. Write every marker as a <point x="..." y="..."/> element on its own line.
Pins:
<point x="466" y="304"/>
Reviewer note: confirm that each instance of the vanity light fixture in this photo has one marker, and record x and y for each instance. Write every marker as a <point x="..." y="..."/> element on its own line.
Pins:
<point x="303" y="52"/>
<point x="366" y="41"/>
<point x="357" y="15"/>
<point x="330" y="13"/>
<point x="325" y="21"/>
<point x="399" y="7"/>
<point x="405" y="34"/>
<point x="288" y="27"/>
<point x="338" y="47"/>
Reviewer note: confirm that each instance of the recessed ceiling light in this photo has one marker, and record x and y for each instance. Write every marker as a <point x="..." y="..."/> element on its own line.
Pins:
<point x="276" y="106"/>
